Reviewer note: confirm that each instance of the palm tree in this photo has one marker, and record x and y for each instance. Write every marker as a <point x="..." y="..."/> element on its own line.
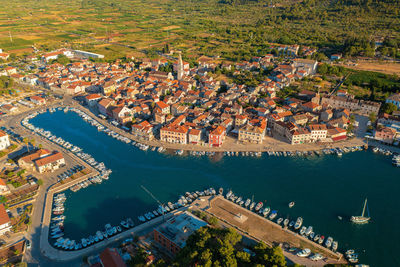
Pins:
<point x="26" y="141"/>
<point x="33" y="141"/>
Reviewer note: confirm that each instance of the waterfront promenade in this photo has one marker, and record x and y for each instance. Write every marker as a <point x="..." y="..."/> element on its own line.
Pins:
<point x="230" y="144"/>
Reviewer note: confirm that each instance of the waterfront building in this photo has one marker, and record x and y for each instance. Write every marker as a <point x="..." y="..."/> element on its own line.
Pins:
<point x="390" y="121"/>
<point x="5" y="223"/>
<point x="299" y="136"/>
<point x="251" y="134"/>
<point x="216" y="136"/>
<point x="103" y="105"/>
<point x="4" y="140"/>
<point x="92" y="99"/>
<point x="37" y="100"/>
<point x="318" y="131"/>
<point x="336" y="134"/>
<point x="122" y="114"/>
<point x="174" y="134"/>
<point x="50" y="163"/>
<point x="385" y="135"/>
<point x="27" y="162"/>
<point x="194" y="136"/>
<point x="143" y="130"/>
<point x="172" y="235"/>
<point x="110" y="257"/>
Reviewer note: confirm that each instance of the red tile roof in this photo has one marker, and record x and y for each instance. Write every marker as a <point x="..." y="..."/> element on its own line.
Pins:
<point x="49" y="159"/>
<point x="3" y="215"/>
<point x="111" y="258"/>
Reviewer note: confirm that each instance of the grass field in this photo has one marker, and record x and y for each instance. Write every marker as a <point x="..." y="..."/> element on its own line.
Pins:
<point x="384" y="67"/>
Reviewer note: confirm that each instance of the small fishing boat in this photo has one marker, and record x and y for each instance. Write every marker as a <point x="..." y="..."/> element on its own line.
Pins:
<point x="291" y="204"/>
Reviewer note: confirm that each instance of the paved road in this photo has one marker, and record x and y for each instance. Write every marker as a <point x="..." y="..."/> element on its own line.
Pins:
<point x="34" y="256"/>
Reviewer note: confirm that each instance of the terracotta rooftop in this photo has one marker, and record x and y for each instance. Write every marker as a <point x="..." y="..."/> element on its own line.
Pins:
<point x="3" y="215"/>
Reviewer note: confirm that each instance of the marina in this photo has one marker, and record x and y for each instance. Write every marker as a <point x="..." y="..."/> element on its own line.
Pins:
<point x="274" y="188"/>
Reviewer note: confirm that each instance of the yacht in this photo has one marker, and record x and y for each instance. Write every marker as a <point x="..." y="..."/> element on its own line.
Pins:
<point x="273" y="214"/>
<point x="334" y="245"/>
<point x="361" y="219"/>
<point x="252" y="205"/>
<point x="285" y="222"/>
<point x="259" y="206"/>
<point x="316" y="257"/>
<point x="298" y="224"/>
<point x="304" y="253"/>
<point x="266" y="211"/>
<point x="328" y="242"/>
<point x="309" y="230"/>
<point x="316" y="238"/>
<point x="303" y="230"/>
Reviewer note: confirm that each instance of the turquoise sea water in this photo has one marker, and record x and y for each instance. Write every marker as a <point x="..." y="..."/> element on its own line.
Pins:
<point x="322" y="187"/>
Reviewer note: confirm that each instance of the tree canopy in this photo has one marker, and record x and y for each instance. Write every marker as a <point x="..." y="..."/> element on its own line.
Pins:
<point x="223" y="247"/>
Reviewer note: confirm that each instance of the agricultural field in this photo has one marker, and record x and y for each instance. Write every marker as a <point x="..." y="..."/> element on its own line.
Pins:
<point x="232" y="29"/>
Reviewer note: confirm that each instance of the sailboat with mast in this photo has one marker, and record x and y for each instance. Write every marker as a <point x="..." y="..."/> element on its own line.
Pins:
<point x="361" y="219"/>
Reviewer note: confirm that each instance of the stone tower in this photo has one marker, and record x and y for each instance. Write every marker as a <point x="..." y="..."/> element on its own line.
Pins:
<point x="180" y="67"/>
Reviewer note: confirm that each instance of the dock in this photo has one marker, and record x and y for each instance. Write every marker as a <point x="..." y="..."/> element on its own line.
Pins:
<point x="262" y="229"/>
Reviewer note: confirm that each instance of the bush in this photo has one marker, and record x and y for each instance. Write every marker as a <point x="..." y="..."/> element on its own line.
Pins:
<point x="213" y="221"/>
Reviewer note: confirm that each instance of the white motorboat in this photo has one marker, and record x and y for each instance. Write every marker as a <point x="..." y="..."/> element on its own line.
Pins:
<point x="299" y="222"/>
<point x="304" y="253"/>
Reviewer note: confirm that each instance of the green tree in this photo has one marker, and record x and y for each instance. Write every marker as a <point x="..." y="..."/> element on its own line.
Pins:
<point x="21" y="172"/>
<point x="26" y="142"/>
<point x="372" y="117"/>
<point x="389" y="108"/>
<point x="243" y="257"/>
<point x="62" y="59"/>
<point x="213" y="221"/>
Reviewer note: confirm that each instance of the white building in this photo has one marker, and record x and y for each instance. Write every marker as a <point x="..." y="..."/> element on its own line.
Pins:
<point x="4" y="141"/>
<point x="318" y="131"/>
<point x="4" y="190"/>
<point x="85" y="54"/>
<point x="5" y="223"/>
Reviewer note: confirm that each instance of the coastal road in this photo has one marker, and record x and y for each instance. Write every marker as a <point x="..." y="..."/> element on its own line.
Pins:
<point x="34" y="256"/>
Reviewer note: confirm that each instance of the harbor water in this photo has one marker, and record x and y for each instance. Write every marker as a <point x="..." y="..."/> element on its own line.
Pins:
<point x="323" y="187"/>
